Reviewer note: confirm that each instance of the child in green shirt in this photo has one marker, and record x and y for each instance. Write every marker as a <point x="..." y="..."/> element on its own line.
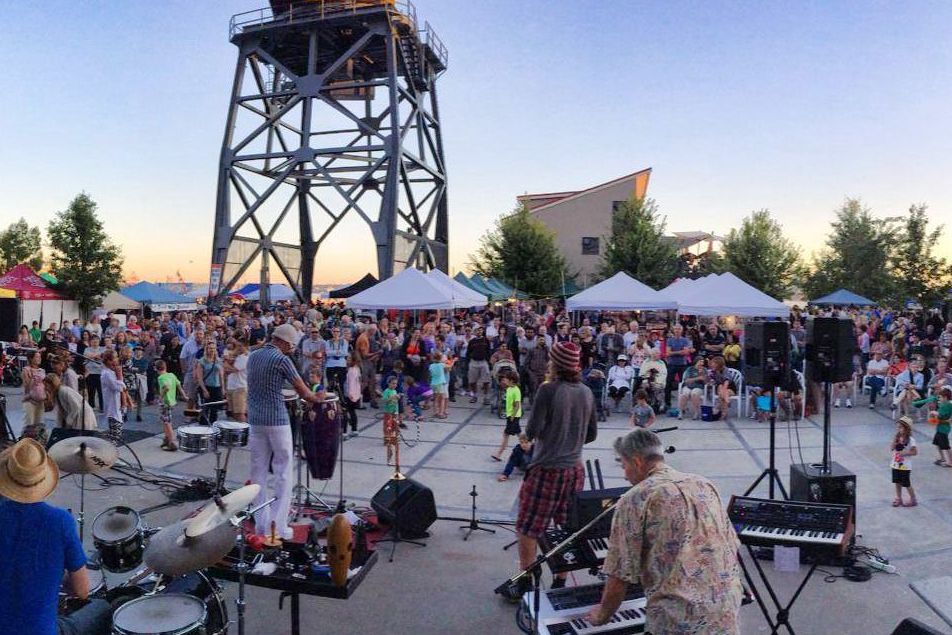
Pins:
<point x="391" y="407"/>
<point x="509" y="381"/>
<point x="169" y="388"/>
<point x="943" y="413"/>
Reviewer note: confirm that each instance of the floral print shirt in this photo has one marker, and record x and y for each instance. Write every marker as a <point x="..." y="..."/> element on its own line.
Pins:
<point x="672" y="536"/>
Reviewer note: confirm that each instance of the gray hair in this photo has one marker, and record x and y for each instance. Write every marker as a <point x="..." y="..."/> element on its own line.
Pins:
<point x="640" y="443"/>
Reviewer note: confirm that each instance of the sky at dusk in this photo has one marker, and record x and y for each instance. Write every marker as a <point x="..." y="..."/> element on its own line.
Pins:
<point x="736" y="105"/>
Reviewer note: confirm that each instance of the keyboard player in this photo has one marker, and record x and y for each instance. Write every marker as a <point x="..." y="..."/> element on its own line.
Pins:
<point x="672" y="536"/>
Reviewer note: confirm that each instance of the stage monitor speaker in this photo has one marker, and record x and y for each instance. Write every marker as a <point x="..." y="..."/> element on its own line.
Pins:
<point x="830" y="349"/>
<point x="406" y="505"/>
<point x="837" y="487"/>
<point x="767" y="354"/>
<point x="8" y="320"/>
<point x="910" y="626"/>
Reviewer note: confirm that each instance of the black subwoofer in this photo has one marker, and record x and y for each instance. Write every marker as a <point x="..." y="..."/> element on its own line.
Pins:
<point x="406" y="505"/>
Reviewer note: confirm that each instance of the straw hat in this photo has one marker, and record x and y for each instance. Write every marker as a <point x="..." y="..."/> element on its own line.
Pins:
<point x="27" y="474"/>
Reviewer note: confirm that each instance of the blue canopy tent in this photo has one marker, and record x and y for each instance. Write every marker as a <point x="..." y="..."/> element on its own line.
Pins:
<point x="842" y="297"/>
<point x="276" y="292"/>
<point x="159" y="298"/>
<point x="502" y="287"/>
<point x="477" y="284"/>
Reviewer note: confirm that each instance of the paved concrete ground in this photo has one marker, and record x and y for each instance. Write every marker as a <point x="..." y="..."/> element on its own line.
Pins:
<point x="447" y="586"/>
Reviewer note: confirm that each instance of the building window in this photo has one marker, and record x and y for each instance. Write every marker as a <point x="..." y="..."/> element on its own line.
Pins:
<point x="589" y="246"/>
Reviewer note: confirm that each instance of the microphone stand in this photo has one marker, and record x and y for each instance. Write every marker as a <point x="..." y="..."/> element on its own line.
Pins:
<point x="534" y="570"/>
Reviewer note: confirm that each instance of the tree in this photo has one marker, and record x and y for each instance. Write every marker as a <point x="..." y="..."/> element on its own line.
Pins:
<point x="760" y="255"/>
<point x="522" y="252"/>
<point x="20" y="243"/>
<point x="83" y="258"/>
<point x="637" y="245"/>
<point x="920" y="274"/>
<point x="857" y="255"/>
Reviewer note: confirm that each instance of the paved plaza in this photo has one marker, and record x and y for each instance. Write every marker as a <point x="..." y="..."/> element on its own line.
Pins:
<point x="447" y="586"/>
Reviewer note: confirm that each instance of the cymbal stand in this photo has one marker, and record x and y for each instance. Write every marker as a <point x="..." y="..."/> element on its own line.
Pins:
<point x="82" y="506"/>
<point x="238" y="521"/>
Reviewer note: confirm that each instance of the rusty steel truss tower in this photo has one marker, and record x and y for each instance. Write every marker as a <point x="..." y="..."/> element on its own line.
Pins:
<point x="333" y="112"/>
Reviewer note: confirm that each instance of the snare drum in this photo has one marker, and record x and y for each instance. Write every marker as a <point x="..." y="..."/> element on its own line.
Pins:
<point x="232" y="434"/>
<point x="197" y="439"/>
<point x="186" y="605"/>
<point x="119" y="538"/>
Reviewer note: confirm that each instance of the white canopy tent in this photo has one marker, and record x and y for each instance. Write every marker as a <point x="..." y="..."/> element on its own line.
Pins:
<point x="726" y="294"/>
<point x="115" y="301"/>
<point x="410" y="290"/>
<point x="621" y="292"/>
<point x="684" y="287"/>
<point x="457" y="289"/>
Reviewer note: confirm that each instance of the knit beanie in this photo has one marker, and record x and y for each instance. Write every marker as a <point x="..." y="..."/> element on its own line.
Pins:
<point x="566" y="356"/>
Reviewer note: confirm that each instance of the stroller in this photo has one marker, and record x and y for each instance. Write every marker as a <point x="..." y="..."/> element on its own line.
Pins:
<point x="596" y="380"/>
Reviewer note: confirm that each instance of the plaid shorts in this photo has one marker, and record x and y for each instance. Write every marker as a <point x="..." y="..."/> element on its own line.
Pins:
<point x="165" y="413"/>
<point x="545" y="497"/>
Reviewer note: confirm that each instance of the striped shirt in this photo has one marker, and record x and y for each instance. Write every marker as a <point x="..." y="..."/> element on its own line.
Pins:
<point x="268" y="370"/>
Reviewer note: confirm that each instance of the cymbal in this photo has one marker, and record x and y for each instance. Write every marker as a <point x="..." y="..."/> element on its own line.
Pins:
<point x="212" y="515"/>
<point x="84" y="455"/>
<point x="171" y="552"/>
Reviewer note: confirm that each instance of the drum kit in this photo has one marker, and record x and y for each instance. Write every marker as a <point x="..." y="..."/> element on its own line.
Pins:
<point x="171" y="594"/>
<point x="200" y="439"/>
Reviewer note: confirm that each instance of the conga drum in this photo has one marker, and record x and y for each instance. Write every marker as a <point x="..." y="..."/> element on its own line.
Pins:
<point x="321" y="431"/>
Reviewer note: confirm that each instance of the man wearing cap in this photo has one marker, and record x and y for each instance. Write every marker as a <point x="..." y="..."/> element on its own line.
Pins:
<point x="38" y="542"/>
<point x="562" y="420"/>
<point x="269" y="369"/>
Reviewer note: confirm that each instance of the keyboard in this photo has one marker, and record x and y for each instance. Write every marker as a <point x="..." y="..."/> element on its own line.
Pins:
<point x="816" y="527"/>
<point x="562" y="611"/>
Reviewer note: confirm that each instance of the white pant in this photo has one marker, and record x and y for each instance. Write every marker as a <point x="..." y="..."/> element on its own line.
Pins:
<point x="264" y="440"/>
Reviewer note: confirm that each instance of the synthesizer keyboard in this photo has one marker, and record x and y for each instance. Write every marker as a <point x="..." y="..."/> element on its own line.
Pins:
<point x="562" y="611"/>
<point x="816" y="527"/>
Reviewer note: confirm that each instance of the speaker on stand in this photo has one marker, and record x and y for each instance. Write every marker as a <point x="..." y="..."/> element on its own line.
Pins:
<point x="408" y="507"/>
<point x="767" y="364"/>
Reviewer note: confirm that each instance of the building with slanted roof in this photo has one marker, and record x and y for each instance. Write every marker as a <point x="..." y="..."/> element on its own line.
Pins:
<point x="582" y="219"/>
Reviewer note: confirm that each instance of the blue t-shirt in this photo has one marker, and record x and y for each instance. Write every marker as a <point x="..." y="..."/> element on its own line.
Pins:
<point x="437" y="374"/>
<point x="38" y="542"/>
<point x="210" y="373"/>
<point x="677" y="344"/>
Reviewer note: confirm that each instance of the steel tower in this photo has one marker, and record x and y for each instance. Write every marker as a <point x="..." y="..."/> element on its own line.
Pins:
<point x="333" y="111"/>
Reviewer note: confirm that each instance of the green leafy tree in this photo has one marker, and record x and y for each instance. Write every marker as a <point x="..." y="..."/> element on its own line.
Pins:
<point x="20" y="243"/>
<point x="857" y="255"/>
<point x="522" y="252"/>
<point x="760" y="255"/>
<point x="637" y="245"/>
<point x="920" y="273"/>
<point x="83" y="257"/>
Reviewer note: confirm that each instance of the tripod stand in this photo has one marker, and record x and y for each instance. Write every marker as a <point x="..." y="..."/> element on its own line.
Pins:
<point x="770" y="473"/>
<point x="471" y="523"/>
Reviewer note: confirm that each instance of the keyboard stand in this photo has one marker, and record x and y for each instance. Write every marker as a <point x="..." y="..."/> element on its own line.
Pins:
<point x="783" y="612"/>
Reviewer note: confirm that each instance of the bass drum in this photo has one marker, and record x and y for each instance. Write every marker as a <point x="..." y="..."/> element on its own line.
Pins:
<point x="194" y="604"/>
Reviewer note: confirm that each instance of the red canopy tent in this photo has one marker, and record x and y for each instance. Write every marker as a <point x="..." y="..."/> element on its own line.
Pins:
<point x="27" y="285"/>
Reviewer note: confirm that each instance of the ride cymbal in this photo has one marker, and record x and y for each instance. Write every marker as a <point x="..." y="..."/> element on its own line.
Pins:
<point x="84" y="455"/>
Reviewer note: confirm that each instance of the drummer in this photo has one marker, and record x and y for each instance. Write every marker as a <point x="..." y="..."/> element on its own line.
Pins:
<point x="38" y="542"/>
<point x="269" y="368"/>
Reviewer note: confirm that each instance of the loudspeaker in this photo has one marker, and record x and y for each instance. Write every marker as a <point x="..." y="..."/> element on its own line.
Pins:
<point x="8" y="320"/>
<point x="406" y="505"/>
<point x="910" y="626"/>
<point x="830" y="349"/>
<point x="838" y="487"/>
<point x="767" y="354"/>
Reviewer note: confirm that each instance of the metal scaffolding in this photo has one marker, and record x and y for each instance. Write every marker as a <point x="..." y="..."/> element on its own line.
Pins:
<point x="333" y="111"/>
